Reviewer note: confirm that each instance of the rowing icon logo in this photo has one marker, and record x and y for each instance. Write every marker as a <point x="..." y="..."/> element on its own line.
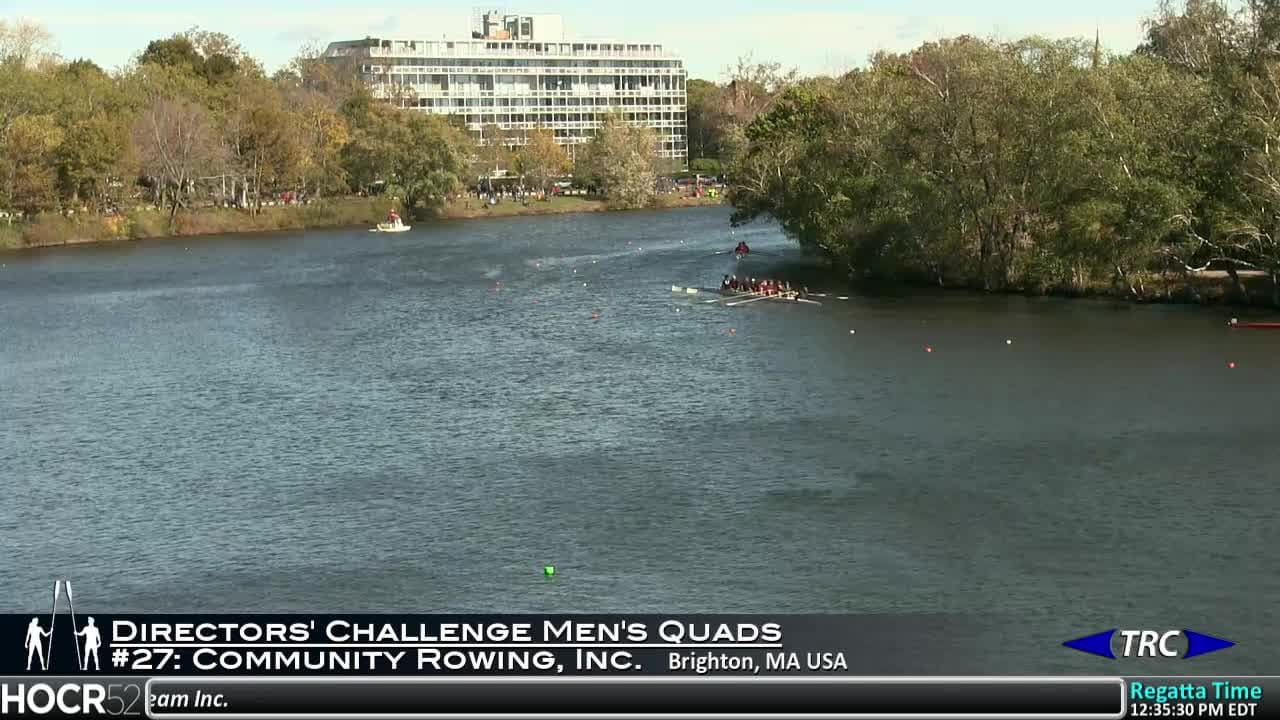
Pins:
<point x="39" y="640"/>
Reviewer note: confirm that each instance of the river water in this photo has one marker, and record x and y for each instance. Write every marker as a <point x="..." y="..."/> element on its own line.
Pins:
<point x="348" y="421"/>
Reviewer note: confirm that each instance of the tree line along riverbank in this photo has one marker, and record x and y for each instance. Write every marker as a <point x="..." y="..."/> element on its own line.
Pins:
<point x="1037" y="165"/>
<point x="197" y="128"/>
<point x="50" y="230"/>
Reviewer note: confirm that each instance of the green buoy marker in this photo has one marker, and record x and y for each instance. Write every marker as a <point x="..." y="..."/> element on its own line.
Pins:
<point x="549" y="570"/>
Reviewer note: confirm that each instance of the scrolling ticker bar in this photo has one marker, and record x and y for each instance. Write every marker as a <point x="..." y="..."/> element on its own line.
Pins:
<point x="472" y="697"/>
<point x="642" y="697"/>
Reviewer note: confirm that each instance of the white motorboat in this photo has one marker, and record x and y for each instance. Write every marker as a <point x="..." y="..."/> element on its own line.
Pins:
<point x="396" y="226"/>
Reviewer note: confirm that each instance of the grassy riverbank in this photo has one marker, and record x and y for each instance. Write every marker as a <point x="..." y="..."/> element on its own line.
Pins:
<point x="52" y="230"/>
<point x="1211" y="287"/>
<point x="1207" y="288"/>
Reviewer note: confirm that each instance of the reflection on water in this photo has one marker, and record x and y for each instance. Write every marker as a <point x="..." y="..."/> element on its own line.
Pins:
<point x="350" y="421"/>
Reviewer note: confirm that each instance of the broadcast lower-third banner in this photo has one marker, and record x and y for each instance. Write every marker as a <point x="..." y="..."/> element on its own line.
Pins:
<point x="529" y="697"/>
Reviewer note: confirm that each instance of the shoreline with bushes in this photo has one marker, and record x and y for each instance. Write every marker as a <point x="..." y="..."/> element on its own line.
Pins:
<point x="54" y="230"/>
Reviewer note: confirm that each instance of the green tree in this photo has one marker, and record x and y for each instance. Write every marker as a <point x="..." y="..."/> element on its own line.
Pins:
<point x="214" y="57"/>
<point x="430" y="166"/>
<point x="706" y="118"/>
<point x="173" y="52"/>
<point x="420" y="155"/>
<point x="96" y="154"/>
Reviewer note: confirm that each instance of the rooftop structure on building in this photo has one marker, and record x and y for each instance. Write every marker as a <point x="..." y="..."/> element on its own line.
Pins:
<point x="517" y="72"/>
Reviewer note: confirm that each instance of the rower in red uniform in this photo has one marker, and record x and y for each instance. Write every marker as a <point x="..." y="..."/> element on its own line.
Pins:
<point x="742" y="249"/>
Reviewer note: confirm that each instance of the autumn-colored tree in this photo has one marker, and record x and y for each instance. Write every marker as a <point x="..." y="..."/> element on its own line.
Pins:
<point x="621" y="160"/>
<point x="542" y="159"/>
<point x="175" y="136"/>
<point x="27" y="178"/>
<point x="25" y="43"/>
<point x="491" y="154"/>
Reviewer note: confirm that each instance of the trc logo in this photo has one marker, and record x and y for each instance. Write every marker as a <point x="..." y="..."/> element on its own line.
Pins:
<point x="1149" y="643"/>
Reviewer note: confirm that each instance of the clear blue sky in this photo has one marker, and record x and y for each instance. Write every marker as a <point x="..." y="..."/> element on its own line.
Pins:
<point x="813" y="35"/>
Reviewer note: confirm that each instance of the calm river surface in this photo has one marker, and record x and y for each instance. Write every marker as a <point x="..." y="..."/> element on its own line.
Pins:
<point x="347" y="421"/>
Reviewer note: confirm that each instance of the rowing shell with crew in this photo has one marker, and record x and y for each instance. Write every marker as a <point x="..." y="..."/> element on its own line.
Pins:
<point x="750" y="296"/>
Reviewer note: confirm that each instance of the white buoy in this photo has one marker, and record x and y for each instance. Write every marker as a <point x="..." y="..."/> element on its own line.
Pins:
<point x="853" y="332"/>
<point x="1008" y="342"/>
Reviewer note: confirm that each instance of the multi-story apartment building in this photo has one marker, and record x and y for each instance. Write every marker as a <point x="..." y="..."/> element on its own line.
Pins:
<point x="519" y="72"/>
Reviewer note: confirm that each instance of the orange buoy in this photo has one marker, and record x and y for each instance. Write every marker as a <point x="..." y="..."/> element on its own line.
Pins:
<point x="928" y="348"/>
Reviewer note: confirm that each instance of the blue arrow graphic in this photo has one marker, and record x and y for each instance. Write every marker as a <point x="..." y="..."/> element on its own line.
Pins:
<point x="1198" y="644"/>
<point x="1098" y="644"/>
